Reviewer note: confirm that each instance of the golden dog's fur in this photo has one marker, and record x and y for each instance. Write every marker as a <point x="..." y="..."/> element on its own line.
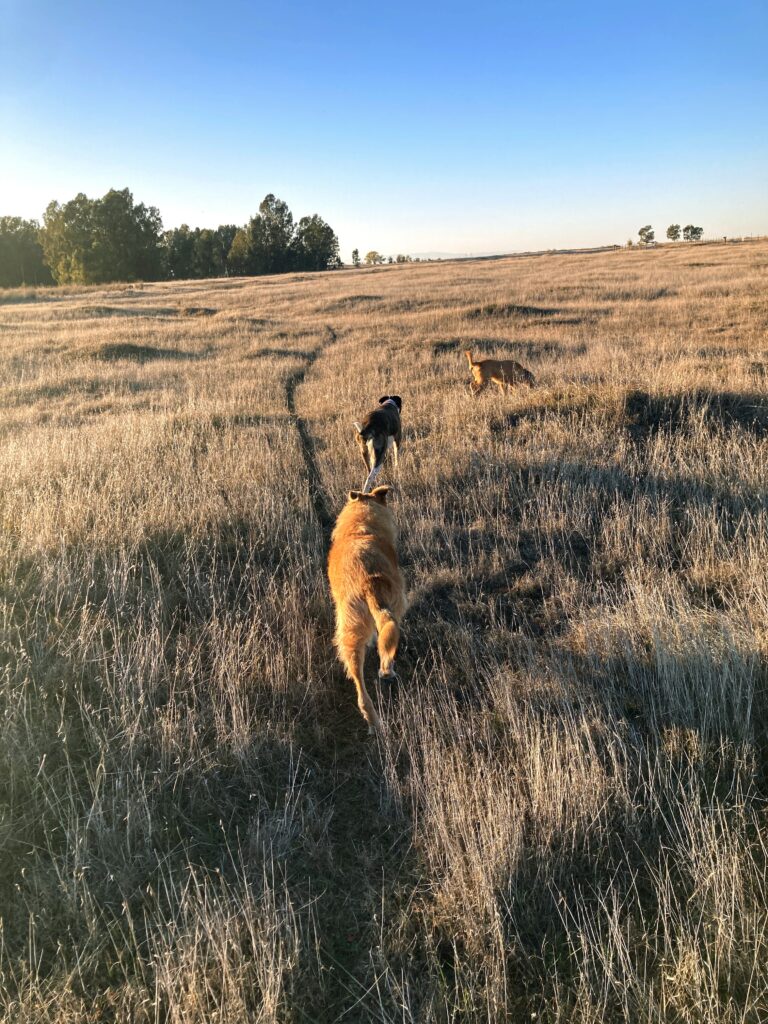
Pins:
<point x="503" y="372"/>
<point x="367" y="589"/>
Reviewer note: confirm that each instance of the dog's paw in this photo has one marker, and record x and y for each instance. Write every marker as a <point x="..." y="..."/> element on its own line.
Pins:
<point x="388" y="686"/>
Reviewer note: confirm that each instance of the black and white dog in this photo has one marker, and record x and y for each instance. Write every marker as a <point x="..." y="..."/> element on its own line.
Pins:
<point x="379" y="431"/>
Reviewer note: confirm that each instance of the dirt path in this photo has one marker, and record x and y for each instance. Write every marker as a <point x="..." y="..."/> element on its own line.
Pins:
<point x="316" y="492"/>
<point x="367" y="849"/>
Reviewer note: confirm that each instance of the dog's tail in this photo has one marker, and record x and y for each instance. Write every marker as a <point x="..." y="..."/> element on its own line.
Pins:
<point x="386" y="627"/>
<point x="468" y="354"/>
<point x="366" y="436"/>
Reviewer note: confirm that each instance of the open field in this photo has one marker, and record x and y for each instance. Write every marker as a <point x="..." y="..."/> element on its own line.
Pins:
<point x="566" y="817"/>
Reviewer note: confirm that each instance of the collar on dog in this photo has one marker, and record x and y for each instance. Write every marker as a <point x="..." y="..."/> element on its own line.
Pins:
<point x="389" y="402"/>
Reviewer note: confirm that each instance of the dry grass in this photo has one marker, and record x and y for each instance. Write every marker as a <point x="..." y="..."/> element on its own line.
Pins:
<point x="566" y="819"/>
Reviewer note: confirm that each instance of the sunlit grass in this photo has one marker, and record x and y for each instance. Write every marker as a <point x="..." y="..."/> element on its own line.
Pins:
<point x="566" y="815"/>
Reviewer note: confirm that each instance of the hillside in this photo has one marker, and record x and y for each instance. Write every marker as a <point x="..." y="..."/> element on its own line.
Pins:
<point x="566" y="817"/>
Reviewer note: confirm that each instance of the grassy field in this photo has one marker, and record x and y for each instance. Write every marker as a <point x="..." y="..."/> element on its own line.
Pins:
<point x="565" y="820"/>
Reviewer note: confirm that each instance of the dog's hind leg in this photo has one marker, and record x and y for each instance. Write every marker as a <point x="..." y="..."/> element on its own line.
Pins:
<point x="388" y="637"/>
<point x="394" y="444"/>
<point x="352" y="654"/>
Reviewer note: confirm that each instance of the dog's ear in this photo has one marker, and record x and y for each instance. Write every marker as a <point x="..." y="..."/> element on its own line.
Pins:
<point x="380" y="494"/>
<point x="356" y="495"/>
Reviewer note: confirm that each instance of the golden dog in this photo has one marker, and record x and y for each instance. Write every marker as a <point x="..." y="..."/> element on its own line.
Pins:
<point x="503" y="372"/>
<point x="367" y="589"/>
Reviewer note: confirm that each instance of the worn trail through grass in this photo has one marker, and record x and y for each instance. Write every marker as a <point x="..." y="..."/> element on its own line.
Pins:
<point x="367" y="843"/>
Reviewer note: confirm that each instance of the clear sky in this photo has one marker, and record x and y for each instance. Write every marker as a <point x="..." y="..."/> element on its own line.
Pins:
<point x="410" y="127"/>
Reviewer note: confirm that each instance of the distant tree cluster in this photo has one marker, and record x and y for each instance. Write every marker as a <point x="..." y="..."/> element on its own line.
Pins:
<point x="375" y="258"/>
<point x="197" y="252"/>
<point x="94" y="241"/>
<point x="690" y="234"/>
<point x="272" y="244"/>
<point x="21" y="254"/>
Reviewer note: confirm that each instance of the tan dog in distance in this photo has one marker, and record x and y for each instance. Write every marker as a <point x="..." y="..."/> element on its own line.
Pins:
<point x="367" y="589"/>
<point x="503" y="372"/>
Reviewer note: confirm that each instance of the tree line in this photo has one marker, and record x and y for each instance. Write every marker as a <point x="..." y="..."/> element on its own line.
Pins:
<point x="95" y="241"/>
<point x="375" y="259"/>
<point x="690" y="233"/>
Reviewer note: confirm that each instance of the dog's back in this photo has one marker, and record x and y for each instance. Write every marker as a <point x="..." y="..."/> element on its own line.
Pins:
<point x="367" y="588"/>
<point x="383" y="421"/>
<point x="501" y="371"/>
<point x="379" y="430"/>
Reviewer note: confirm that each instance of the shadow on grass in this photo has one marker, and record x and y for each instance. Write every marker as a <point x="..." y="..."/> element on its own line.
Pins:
<point x="81" y="388"/>
<point x="129" y="312"/>
<point x="280" y="353"/>
<point x="509" y="310"/>
<point x="255" y="776"/>
<point x="648" y="415"/>
<point x="645" y="416"/>
<point x="353" y="302"/>
<point x="503" y="348"/>
<point x="468" y="591"/>
<point x="197" y="311"/>
<point x="132" y="352"/>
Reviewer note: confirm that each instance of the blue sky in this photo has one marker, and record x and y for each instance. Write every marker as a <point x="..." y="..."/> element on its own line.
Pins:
<point x="410" y="127"/>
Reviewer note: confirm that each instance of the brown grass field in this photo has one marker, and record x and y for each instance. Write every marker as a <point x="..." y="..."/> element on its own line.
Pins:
<point x="565" y="820"/>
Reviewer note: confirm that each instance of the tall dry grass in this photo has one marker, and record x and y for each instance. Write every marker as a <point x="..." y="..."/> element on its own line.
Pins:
<point x="566" y="816"/>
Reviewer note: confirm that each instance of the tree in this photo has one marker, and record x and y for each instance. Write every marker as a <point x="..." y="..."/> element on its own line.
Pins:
<point x="692" y="234"/>
<point x="21" y="254"/>
<point x="197" y="252"/>
<point x="272" y="235"/>
<point x="646" y="234"/>
<point x="179" y="252"/>
<point x="225" y="236"/>
<point x="315" y="246"/>
<point x="373" y="257"/>
<point x="237" y="258"/>
<point x="400" y="258"/>
<point x="67" y="239"/>
<point x="673" y="232"/>
<point x="206" y="264"/>
<point x="126" y="239"/>
<point x="267" y="248"/>
<point x="355" y="257"/>
<point x="92" y="241"/>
